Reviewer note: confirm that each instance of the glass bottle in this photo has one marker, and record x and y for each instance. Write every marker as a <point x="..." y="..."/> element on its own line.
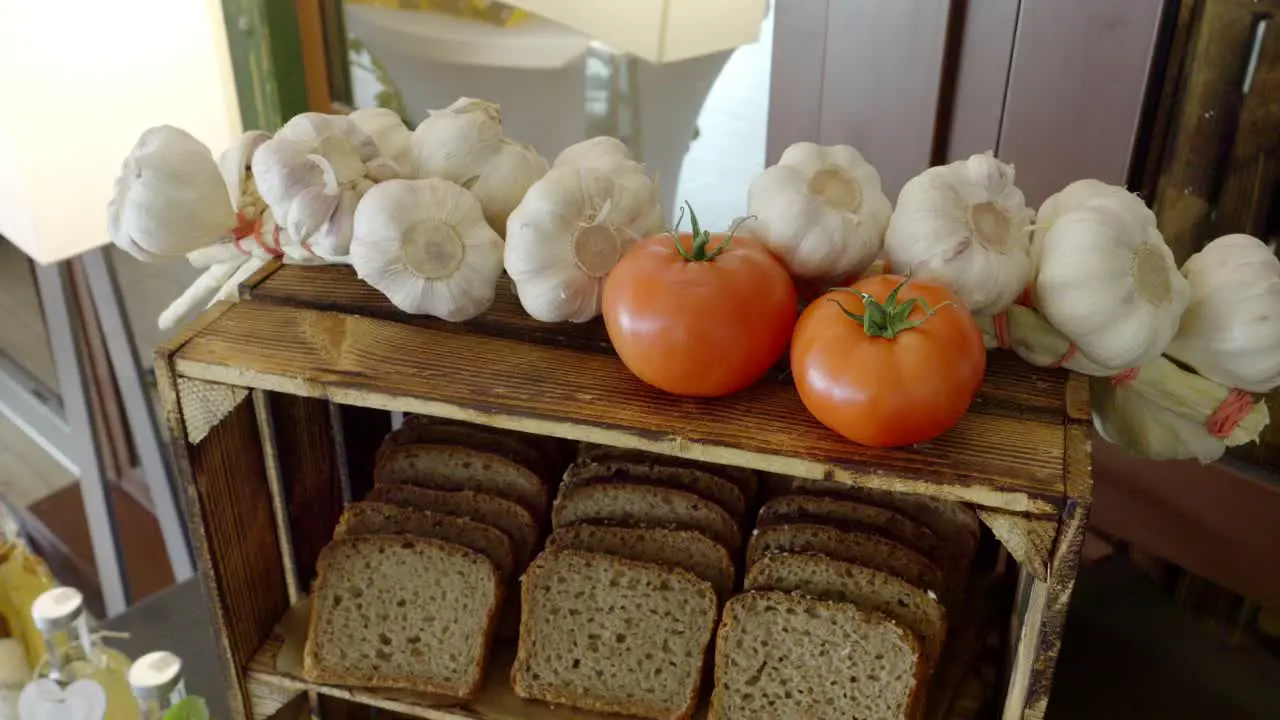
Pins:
<point x="78" y="670"/>
<point x="156" y="682"/>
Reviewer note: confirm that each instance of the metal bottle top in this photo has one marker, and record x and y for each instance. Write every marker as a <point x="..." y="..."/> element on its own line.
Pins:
<point x="57" y="609"/>
<point x="155" y="675"/>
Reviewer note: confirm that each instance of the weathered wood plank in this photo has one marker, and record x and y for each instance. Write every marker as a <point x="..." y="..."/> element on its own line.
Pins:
<point x="279" y="496"/>
<point x="1029" y="539"/>
<point x="986" y="459"/>
<point x="1013" y="388"/>
<point x="359" y="432"/>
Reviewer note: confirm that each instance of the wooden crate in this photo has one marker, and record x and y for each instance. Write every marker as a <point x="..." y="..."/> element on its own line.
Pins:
<point x="277" y="403"/>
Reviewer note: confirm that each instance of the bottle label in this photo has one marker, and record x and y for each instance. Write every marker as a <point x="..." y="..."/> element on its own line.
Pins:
<point x="44" y="700"/>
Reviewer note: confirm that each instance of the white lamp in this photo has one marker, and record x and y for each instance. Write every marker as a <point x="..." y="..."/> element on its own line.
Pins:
<point x="78" y="83"/>
<point x="658" y="30"/>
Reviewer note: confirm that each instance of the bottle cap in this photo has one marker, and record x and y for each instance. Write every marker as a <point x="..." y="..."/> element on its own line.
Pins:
<point x="155" y="675"/>
<point x="57" y="609"/>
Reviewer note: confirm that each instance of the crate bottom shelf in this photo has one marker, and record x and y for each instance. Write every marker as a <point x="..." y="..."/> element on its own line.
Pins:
<point x="275" y="678"/>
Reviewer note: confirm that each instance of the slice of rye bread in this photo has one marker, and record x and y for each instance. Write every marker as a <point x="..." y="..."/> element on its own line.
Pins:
<point x="747" y="480"/>
<point x="862" y="548"/>
<point x="700" y="483"/>
<point x="372" y="518"/>
<point x="402" y="612"/>
<point x="644" y="505"/>
<point x="829" y="579"/>
<point x="852" y="515"/>
<point x="781" y="657"/>
<point x="418" y="429"/>
<point x="954" y="523"/>
<point x="609" y="634"/>
<point x="685" y="549"/>
<point x="506" y="515"/>
<point x="453" y="467"/>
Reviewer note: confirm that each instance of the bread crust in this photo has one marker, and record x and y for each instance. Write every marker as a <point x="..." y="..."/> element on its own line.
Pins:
<point x="724" y="531"/>
<point x="527" y="488"/>
<point x="700" y="483"/>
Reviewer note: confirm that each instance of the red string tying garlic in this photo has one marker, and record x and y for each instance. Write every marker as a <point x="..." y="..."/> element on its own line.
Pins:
<point x="1230" y="413"/>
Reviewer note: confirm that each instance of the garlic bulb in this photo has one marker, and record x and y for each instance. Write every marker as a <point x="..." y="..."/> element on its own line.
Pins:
<point x="1105" y="277"/>
<point x="312" y="174"/>
<point x="1230" y="331"/>
<point x="169" y="199"/>
<point x="463" y="143"/>
<point x="1145" y="428"/>
<point x="394" y="140"/>
<point x="426" y="246"/>
<point x="235" y="165"/>
<point x="820" y="210"/>
<point x="567" y="234"/>
<point x="967" y="226"/>
<point x="600" y="152"/>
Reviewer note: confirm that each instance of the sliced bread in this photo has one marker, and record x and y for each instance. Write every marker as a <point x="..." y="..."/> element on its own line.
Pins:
<point x="609" y="634"/>
<point x="508" y="516"/>
<point x="954" y="523"/>
<point x="376" y="623"/>
<point x="852" y="515"/>
<point x="863" y="548"/>
<point x="453" y="467"/>
<point x="700" y="483"/>
<point x="418" y="429"/>
<point x="829" y="579"/>
<point x="785" y="657"/>
<point x="747" y="480"/>
<point x="632" y="505"/>
<point x="684" y="549"/>
<point x="373" y="518"/>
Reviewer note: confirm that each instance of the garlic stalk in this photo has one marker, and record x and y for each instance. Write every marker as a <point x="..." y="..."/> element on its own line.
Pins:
<point x="169" y="198"/>
<point x="1196" y="398"/>
<point x="463" y="143"/>
<point x="425" y="244"/>
<point x="312" y="174"/>
<point x="1231" y="329"/>
<point x="967" y="226"/>
<point x="1026" y="332"/>
<point x="569" y="232"/>
<point x="1104" y="276"/>
<point x="1126" y="418"/>
<point x="820" y="210"/>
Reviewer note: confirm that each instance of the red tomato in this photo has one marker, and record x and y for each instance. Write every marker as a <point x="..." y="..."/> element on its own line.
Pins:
<point x="905" y="380"/>
<point x="703" y="316"/>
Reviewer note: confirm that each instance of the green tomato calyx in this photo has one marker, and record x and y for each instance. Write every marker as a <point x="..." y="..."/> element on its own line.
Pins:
<point x="701" y="238"/>
<point x="889" y="318"/>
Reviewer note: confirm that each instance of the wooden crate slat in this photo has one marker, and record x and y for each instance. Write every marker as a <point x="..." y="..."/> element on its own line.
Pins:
<point x="1013" y="388"/>
<point x="986" y="459"/>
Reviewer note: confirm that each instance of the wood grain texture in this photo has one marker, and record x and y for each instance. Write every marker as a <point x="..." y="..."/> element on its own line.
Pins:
<point x="1029" y="539"/>
<point x="988" y="459"/>
<point x="880" y="91"/>
<point x="279" y="494"/>
<point x="359" y="433"/>
<point x="1070" y="113"/>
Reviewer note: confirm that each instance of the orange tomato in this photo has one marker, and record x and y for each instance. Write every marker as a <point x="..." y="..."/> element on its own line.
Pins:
<point x="899" y="369"/>
<point x="701" y="314"/>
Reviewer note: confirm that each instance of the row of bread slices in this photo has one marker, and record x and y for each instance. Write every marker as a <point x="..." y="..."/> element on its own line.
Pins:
<point x="620" y="608"/>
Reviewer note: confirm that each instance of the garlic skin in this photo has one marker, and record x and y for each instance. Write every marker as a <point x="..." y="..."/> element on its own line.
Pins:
<point x="967" y="226"/>
<point x="425" y="244"/>
<point x="463" y="143"/>
<point x="1230" y="331"/>
<point x="602" y="151"/>
<point x="394" y="140"/>
<point x="169" y="198"/>
<point x="820" y="210"/>
<point x="569" y="232"/>
<point x="235" y="164"/>
<point x="312" y="174"/>
<point x="1105" y="277"/>
<point x="1147" y="429"/>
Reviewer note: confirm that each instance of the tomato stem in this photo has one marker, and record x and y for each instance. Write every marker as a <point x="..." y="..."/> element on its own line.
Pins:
<point x="701" y="237"/>
<point x="889" y="318"/>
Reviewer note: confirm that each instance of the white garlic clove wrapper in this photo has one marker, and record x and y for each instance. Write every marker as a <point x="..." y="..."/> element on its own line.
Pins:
<point x="504" y="179"/>
<point x="1107" y="280"/>
<point x="1230" y="332"/>
<point x="169" y="198"/>
<point x="967" y="226"/>
<point x="234" y="164"/>
<point x="569" y="232"/>
<point x="426" y="246"/>
<point x="454" y="143"/>
<point x="601" y="151"/>
<point x="394" y="140"/>
<point x="821" y="210"/>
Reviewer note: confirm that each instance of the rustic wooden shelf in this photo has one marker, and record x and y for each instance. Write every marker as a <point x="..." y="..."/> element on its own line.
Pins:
<point x="276" y="405"/>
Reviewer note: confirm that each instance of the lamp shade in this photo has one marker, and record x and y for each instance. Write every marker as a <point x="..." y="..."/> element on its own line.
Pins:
<point x="658" y="30"/>
<point x="79" y="82"/>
